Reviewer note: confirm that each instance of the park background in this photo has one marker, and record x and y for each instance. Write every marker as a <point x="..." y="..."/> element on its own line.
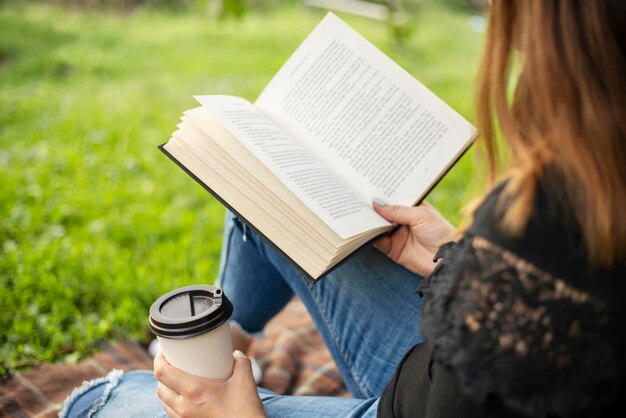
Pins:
<point x="95" y="223"/>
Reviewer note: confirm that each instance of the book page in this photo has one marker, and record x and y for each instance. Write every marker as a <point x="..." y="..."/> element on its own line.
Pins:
<point x="365" y="117"/>
<point x="328" y="196"/>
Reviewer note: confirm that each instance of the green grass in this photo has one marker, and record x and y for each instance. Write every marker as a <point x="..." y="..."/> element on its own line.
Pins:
<point x="94" y="222"/>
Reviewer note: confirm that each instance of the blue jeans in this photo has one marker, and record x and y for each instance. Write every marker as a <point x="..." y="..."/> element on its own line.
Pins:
<point x="366" y="310"/>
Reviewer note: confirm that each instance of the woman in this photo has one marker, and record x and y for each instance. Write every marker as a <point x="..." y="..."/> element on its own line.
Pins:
<point x="521" y="314"/>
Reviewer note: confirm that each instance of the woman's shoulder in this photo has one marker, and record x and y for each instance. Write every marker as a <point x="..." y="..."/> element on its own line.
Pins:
<point x="526" y="319"/>
<point x="551" y="240"/>
<point x="513" y="330"/>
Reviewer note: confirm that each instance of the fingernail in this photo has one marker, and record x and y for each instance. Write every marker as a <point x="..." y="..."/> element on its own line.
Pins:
<point x="238" y="354"/>
<point x="378" y="201"/>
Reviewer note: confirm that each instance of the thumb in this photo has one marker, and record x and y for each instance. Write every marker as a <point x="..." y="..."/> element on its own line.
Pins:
<point x="401" y="215"/>
<point x="242" y="368"/>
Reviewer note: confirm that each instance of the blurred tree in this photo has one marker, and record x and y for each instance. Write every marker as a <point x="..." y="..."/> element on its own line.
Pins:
<point x="398" y="18"/>
<point x="129" y="4"/>
<point x="228" y="8"/>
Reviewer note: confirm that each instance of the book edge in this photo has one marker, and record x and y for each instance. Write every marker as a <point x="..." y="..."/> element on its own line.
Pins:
<point x="471" y="141"/>
<point x="296" y="266"/>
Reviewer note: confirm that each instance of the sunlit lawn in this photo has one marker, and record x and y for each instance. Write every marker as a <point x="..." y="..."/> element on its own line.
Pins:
<point x="94" y="222"/>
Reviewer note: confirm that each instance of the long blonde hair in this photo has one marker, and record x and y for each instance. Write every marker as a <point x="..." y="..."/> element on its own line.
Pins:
<point x="567" y="113"/>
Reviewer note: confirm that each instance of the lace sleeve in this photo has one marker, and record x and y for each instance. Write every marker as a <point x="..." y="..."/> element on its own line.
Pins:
<point x="511" y="330"/>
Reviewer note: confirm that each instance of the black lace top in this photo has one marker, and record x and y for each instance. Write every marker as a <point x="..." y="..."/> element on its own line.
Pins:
<point x="516" y="327"/>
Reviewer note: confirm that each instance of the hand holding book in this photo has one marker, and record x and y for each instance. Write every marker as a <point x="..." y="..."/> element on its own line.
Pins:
<point x="413" y="245"/>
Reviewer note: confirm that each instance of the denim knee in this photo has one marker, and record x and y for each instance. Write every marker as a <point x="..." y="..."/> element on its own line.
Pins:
<point x="85" y="400"/>
<point x="131" y="394"/>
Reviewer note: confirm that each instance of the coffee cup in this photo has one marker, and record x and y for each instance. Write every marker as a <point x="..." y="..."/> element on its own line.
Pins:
<point x="191" y="325"/>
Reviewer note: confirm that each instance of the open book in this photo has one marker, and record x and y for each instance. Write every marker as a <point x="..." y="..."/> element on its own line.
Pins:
<point x="339" y="124"/>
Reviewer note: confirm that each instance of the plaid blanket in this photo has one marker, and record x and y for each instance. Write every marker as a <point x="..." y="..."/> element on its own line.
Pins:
<point x="40" y="391"/>
<point x="294" y="358"/>
<point x="292" y="355"/>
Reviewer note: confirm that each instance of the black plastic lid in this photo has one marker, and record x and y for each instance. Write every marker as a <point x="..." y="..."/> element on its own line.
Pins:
<point x="189" y="311"/>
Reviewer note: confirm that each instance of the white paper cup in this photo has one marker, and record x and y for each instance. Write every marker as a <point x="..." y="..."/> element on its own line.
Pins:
<point x="191" y="324"/>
